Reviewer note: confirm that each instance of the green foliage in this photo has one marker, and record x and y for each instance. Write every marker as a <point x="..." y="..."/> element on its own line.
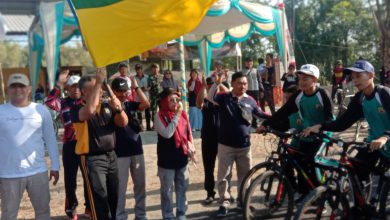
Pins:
<point x="328" y="30"/>
<point x="13" y="55"/>
<point x="75" y="55"/>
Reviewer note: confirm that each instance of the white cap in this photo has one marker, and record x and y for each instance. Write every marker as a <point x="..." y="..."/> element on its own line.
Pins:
<point x="73" y="80"/>
<point x="309" y="69"/>
<point x="18" y="78"/>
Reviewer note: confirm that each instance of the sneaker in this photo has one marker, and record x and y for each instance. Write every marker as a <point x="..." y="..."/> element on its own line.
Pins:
<point x="71" y="213"/>
<point x="88" y="213"/>
<point x="222" y="212"/>
<point x="208" y="200"/>
<point x="75" y="217"/>
<point x="181" y="217"/>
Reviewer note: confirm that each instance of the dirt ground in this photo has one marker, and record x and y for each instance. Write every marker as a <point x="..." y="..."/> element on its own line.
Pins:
<point x="261" y="145"/>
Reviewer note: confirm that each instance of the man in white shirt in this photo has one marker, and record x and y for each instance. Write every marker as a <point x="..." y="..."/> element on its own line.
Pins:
<point x="26" y="128"/>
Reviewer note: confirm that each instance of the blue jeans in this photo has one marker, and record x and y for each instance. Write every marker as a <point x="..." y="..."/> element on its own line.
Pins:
<point x="195" y="118"/>
<point x="168" y="177"/>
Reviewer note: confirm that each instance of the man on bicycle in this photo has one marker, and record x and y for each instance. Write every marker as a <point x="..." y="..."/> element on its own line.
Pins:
<point x="338" y="78"/>
<point x="371" y="102"/>
<point x="313" y="106"/>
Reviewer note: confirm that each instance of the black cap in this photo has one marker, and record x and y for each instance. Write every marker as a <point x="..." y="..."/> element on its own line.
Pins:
<point x="123" y="64"/>
<point x="247" y="59"/>
<point x="166" y="92"/>
<point x="209" y="80"/>
<point x="138" y="66"/>
<point x="119" y="84"/>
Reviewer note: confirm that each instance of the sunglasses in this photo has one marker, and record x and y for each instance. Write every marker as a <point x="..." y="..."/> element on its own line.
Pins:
<point x="174" y="100"/>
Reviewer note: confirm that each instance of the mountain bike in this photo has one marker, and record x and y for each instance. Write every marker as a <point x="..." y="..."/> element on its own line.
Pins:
<point x="271" y="194"/>
<point x="344" y="196"/>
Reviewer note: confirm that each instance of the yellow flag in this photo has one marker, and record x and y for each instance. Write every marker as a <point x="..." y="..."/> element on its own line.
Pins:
<point x="115" y="30"/>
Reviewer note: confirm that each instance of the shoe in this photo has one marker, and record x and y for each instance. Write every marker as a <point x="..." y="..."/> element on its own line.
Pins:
<point x="208" y="200"/>
<point x="88" y="213"/>
<point x="222" y="212"/>
<point x="71" y="213"/>
<point x="182" y="217"/>
<point x="232" y="199"/>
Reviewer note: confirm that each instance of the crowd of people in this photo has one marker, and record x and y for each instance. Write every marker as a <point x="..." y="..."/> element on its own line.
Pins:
<point x="102" y="134"/>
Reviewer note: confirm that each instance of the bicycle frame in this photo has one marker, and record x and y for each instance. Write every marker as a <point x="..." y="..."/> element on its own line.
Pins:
<point x="284" y="153"/>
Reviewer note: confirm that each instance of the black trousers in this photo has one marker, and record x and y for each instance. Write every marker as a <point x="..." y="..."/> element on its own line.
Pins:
<point x="256" y="96"/>
<point x="334" y="90"/>
<point x="147" y="118"/>
<point x="269" y="98"/>
<point x="71" y="163"/>
<point x="364" y="162"/>
<point x="306" y="163"/>
<point x="101" y="175"/>
<point x="209" y="155"/>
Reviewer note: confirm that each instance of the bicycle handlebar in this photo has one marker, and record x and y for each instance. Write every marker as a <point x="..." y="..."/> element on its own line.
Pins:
<point x="340" y="142"/>
<point x="289" y="133"/>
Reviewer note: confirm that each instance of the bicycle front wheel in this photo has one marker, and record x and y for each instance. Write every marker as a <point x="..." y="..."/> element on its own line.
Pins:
<point x="269" y="195"/>
<point x="322" y="203"/>
<point x="253" y="173"/>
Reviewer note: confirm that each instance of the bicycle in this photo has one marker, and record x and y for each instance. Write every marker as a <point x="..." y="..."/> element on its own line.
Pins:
<point x="263" y="166"/>
<point x="271" y="193"/>
<point x="342" y="188"/>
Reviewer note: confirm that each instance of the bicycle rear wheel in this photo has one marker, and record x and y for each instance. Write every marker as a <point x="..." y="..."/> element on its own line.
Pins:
<point x="253" y="173"/>
<point x="270" y="195"/>
<point x="322" y="203"/>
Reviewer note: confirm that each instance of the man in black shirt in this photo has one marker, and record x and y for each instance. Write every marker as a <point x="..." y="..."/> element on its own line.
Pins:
<point x="94" y="123"/>
<point x="209" y="135"/>
<point x="268" y="80"/>
<point x="129" y="149"/>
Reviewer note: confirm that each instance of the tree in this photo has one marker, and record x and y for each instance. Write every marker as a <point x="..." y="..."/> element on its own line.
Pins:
<point x="328" y="30"/>
<point x="382" y="18"/>
<point x="13" y="55"/>
<point x="75" y="55"/>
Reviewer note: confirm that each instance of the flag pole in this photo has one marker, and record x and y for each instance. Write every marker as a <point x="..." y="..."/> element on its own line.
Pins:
<point x="183" y="73"/>
<point x="2" y="83"/>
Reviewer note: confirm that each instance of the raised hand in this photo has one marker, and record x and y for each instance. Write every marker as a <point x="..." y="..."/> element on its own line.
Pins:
<point x="134" y="83"/>
<point x="101" y="74"/>
<point x="63" y="78"/>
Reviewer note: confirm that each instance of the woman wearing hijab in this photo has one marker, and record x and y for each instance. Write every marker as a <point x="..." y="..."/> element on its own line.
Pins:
<point x="168" y="81"/>
<point x="174" y="148"/>
<point x="194" y="86"/>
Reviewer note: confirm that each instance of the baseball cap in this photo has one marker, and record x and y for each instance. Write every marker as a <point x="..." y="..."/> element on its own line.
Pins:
<point x="360" y="66"/>
<point x="310" y="70"/>
<point x="138" y="66"/>
<point x="18" y="78"/>
<point x="123" y="64"/>
<point x="119" y="84"/>
<point x="73" y="80"/>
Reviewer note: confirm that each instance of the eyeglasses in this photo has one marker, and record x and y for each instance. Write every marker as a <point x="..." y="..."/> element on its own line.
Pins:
<point x="174" y="100"/>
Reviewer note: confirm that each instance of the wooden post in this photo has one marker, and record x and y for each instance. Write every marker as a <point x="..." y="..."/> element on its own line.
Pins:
<point x="2" y="84"/>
